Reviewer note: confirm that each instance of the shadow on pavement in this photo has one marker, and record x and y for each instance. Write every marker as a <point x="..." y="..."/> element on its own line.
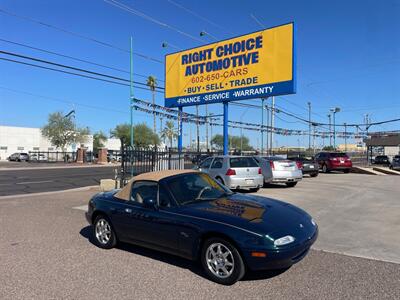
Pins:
<point x="177" y="261"/>
<point x="195" y="267"/>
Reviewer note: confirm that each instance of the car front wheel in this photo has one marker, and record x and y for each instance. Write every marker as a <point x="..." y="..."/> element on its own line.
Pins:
<point x="325" y="169"/>
<point x="222" y="262"/>
<point x="103" y="232"/>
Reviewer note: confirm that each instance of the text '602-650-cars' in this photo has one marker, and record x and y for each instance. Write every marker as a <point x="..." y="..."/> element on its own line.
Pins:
<point x="187" y="213"/>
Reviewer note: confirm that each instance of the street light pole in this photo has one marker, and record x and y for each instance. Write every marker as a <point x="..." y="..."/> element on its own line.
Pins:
<point x="309" y="125"/>
<point x="330" y="131"/>
<point x="334" y="111"/>
<point x="207" y="146"/>
<point x="131" y="93"/>
<point x="345" y="137"/>
<point x="262" y="126"/>
<point x="271" y="143"/>
<point x="198" y="129"/>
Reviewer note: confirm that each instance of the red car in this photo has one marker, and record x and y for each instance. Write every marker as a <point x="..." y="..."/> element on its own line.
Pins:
<point x="334" y="161"/>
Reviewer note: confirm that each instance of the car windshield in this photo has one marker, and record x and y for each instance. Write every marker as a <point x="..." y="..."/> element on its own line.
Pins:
<point x="242" y="162"/>
<point x="273" y="158"/>
<point x="334" y="154"/>
<point x="195" y="187"/>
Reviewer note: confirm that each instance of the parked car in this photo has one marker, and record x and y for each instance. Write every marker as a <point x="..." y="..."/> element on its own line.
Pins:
<point x="395" y="164"/>
<point x="334" y="161"/>
<point x="381" y="160"/>
<point x="37" y="157"/>
<point x="189" y="214"/>
<point x="19" y="156"/>
<point x="236" y="172"/>
<point x="284" y="171"/>
<point x="266" y="170"/>
<point x="306" y="164"/>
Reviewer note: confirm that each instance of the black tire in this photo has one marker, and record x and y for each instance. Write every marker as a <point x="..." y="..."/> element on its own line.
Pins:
<point x="291" y="184"/>
<point x="238" y="269"/>
<point x="346" y="171"/>
<point x="314" y="174"/>
<point x="112" y="241"/>
<point x="325" y="168"/>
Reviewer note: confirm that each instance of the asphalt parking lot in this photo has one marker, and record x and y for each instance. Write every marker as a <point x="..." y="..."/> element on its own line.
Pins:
<point x="46" y="252"/>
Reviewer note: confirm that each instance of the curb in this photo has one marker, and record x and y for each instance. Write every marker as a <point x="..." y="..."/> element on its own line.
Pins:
<point x="80" y="189"/>
<point x="59" y="167"/>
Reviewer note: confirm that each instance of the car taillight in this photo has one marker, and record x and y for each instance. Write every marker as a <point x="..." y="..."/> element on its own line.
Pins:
<point x="230" y="172"/>
<point x="271" y="163"/>
<point x="259" y="171"/>
<point x="299" y="164"/>
<point x="334" y="159"/>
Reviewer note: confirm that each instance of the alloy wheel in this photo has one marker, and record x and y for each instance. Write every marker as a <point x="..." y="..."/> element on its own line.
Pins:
<point x="103" y="231"/>
<point x="220" y="260"/>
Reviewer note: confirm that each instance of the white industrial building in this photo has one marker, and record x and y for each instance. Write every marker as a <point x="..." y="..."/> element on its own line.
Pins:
<point x="24" y="139"/>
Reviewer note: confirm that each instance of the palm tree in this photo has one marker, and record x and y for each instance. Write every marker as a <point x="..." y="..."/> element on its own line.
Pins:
<point x="169" y="132"/>
<point x="152" y="84"/>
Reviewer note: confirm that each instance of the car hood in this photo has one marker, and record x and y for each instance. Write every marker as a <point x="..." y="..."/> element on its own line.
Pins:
<point x="258" y="214"/>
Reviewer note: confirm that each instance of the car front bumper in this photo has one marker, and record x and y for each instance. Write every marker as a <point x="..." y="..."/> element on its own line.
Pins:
<point x="282" y="258"/>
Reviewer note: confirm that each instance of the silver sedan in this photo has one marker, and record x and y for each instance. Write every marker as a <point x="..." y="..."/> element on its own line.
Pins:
<point x="235" y="172"/>
<point x="284" y="171"/>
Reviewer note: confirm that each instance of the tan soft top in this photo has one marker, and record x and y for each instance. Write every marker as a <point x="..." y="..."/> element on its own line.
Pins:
<point x="125" y="192"/>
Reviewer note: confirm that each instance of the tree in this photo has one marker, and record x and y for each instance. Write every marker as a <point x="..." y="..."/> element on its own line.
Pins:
<point x="169" y="132"/>
<point x="143" y="136"/>
<point x="328" y="148"/>
<point x="61" y="131"/>
<point x="99" y="138"/>
<point x="152" y="84"/>
<point x="235" y="142"/>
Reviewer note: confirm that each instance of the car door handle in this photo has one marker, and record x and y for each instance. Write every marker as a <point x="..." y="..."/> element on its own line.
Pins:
<point x="128" y="210"/>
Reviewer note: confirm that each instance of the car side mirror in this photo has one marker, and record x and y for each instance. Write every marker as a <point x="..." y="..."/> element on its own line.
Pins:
<point x="150" y="203"/>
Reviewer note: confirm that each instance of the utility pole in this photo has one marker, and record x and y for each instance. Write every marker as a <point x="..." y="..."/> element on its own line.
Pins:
<point x="330" y="131"/>
<point x="207" y="145"/>
<point x="211" y="128"/>
<point x="198" y="129"/>
<point x="271" y="143"/>
<point x="309" y="125"/>
<point x="313" y="142"/>
<point x="345" y="137"/>
<point x="267" y="146"/>
<point x="262" y="125"/>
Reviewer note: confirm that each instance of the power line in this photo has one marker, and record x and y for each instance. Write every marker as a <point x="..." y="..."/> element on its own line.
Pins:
<point x="66" y="101"/>
<point x="73" y="58"/>
<point x="72" y="68"/>
<point x="151" y="19"/>
<point x="199" y="16"/>
<point x="71" y="73"/>
<point x="94" y="40"/>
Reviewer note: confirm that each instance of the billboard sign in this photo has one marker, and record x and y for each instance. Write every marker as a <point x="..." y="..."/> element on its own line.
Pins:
<point x="255" y="65"/>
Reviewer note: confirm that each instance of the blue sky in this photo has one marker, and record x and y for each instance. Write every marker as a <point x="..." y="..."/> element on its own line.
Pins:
<point x="348" y="55"/>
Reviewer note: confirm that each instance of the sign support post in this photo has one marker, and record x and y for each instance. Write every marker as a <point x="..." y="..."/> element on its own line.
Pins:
<point x="225" y="130"/>
<point x="180" y="130"/>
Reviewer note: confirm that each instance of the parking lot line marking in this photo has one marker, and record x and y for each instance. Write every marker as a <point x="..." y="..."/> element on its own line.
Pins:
<point x="82" y="207"/>
<point x="34" y="182"/>
<point x="355" y="255"/>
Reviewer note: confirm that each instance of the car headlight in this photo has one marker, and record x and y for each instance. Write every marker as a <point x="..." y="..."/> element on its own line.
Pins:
<point x="313" y="222"/>
<point x="284" y="240"/>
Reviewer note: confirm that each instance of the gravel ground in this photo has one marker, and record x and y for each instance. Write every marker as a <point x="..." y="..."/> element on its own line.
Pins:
<point x="45" y="252"/>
